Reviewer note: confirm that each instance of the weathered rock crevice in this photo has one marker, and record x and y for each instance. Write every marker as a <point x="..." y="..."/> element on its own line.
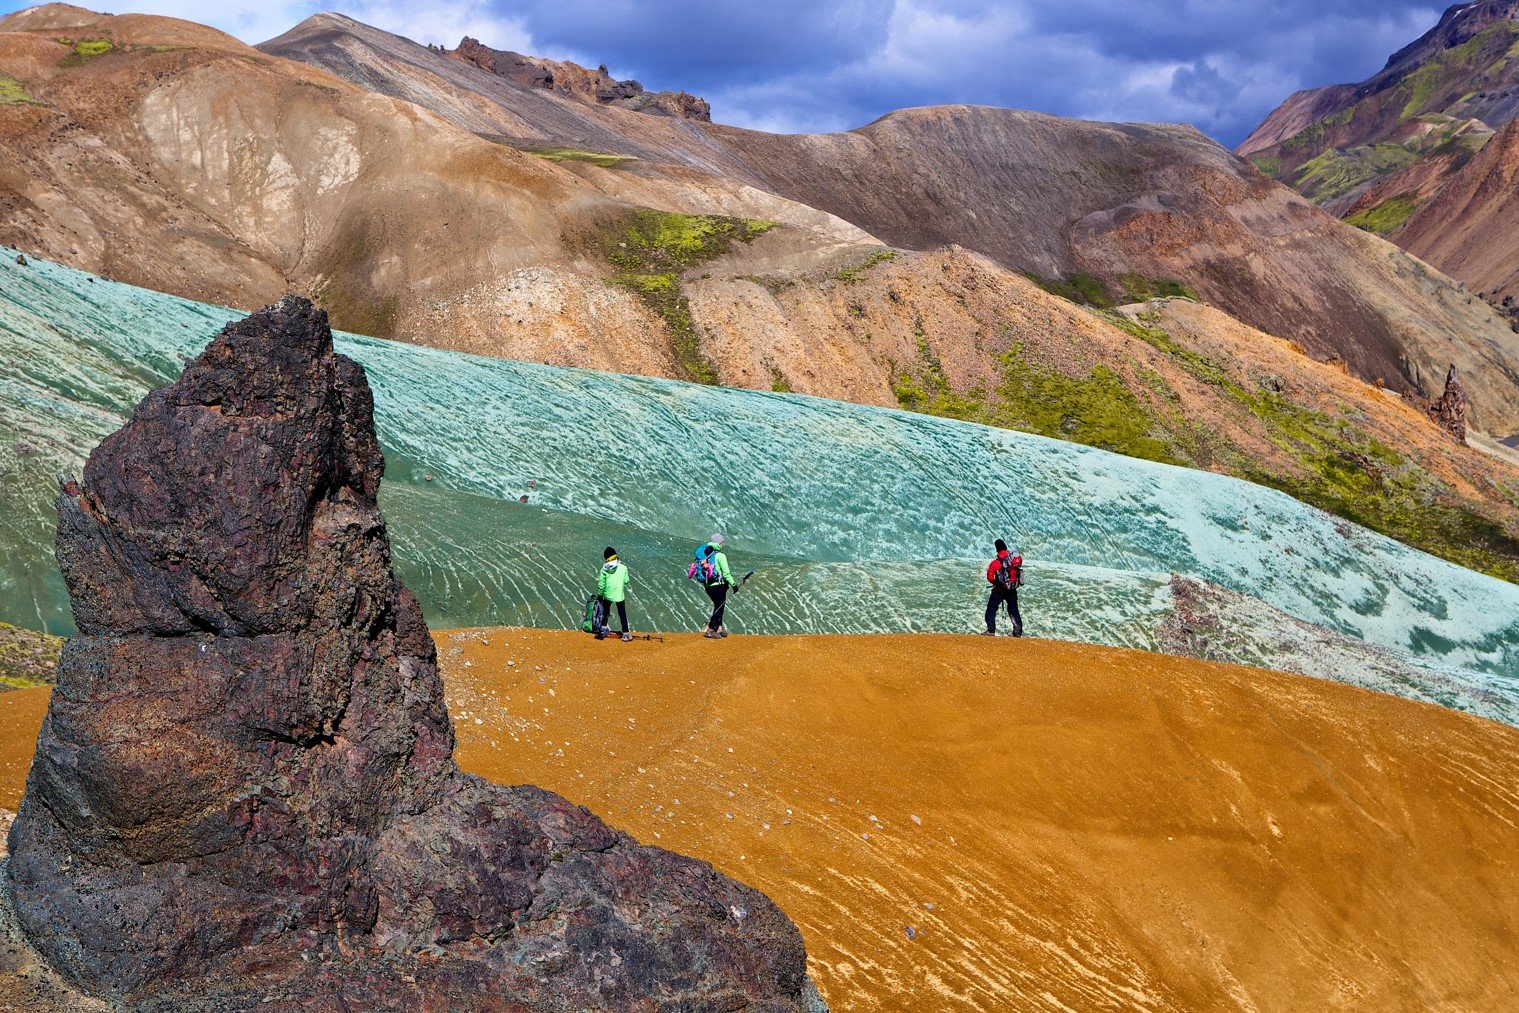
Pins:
<point x="244" y="793"/>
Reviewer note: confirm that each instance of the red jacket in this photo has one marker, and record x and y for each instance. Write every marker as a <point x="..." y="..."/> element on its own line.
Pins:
<point x="994" y="565"/>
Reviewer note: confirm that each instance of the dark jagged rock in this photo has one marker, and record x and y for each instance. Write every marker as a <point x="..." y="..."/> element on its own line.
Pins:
<point x="1449" y="410"/>
<point x="244" y="795"/>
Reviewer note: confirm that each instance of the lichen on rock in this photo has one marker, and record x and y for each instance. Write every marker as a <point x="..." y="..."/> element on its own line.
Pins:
<point x="244" y="792"/>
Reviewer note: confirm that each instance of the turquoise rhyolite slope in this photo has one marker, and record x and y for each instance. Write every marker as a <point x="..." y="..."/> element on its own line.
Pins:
<point x="856" y="518"/>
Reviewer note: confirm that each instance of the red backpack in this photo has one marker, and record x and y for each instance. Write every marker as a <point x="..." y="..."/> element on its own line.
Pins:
<point x="1009" y="573"/>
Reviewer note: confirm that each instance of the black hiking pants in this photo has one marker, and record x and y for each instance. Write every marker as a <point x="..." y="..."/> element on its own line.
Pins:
<point x="1010" y="598"/>
<point x="719" y="595"/>
<point x="606" y="615"/>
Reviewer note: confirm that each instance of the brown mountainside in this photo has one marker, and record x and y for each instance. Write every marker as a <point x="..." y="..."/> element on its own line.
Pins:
<point x="1124" y="210"/>
<point x="179" y="159"/>
<point x="1471" y="228"/>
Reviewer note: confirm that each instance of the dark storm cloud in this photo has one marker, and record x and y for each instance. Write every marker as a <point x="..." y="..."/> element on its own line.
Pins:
<point x="818" y="65"/>
<point x="1221" y="64"/>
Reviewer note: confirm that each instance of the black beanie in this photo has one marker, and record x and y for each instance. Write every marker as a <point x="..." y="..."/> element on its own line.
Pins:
<point x="609" y="553"/>
<point x="1001" y="545"/>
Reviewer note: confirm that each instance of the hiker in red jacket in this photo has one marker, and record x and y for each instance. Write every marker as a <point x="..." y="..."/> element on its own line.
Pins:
<point x="1005" y="575"/>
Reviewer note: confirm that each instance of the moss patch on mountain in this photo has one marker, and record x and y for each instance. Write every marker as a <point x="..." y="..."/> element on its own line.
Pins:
<point x="1335" y="173"/>
<point x="1096" y="410"/>
<point x="1080" y="288"/>
<point x="853" y="273"/>
<point x="1138" y="288"/>
<point x="602" y="158"/>
<point x="27" y="658"/>
<point x="653" y="249"/>
<point x="1489" y="48"/>
<point x="84" y="51"/>
<point x="1345" y="470"/>
<point x="1336" y="462"/>
<point x="1387" y="217"/>
<point x="12" y="92"/>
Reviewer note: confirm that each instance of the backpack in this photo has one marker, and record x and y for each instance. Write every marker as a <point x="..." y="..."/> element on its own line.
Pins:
<point x="595" y="614"/>
<point x="702" y="569"/>
<point x="1009" y="573"/>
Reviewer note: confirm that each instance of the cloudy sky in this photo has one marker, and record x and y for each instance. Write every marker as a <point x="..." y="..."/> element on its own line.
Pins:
<point x="833" y="64"/>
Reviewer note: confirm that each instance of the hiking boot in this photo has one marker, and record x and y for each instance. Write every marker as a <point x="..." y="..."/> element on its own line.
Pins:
<point x="1017" y="631"/>
<point x="712" y="635"/>
<point x="988" y="633"/>
<point x="601" y="636"/>
<point x="627" y="638"/>
<point x="722" y="633"/>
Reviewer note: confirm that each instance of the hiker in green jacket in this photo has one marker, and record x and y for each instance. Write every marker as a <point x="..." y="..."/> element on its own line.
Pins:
<point x="612" y="586"/>
<point x="717" y="588"/>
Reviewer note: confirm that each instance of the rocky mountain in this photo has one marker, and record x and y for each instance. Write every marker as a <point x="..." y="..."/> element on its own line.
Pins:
<point x="1375" y="151"/>
<point x="1105" y="212"/>
<point x="1471" y="227"/>
<point x="514" y="206"/>
<point x="243" y="641"/>
<point x="596" y="87"/>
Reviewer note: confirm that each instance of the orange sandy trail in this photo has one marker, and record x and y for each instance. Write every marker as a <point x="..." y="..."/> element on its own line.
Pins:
<point x="966" y="824"/>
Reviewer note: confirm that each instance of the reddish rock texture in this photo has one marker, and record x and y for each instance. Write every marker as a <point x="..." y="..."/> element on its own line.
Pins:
<point x="596" y="87"/>
<point x="244" y="794"/>
<point x="1449" y="410"/>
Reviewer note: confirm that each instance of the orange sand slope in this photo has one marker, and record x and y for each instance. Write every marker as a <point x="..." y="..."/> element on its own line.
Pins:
<point x="971" y="824"/>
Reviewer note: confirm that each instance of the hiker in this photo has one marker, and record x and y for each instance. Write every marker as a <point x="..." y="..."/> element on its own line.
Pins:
<point x="612" y="586"/>
<point x="711" y="569"/>
<point x="1005" y="575"/>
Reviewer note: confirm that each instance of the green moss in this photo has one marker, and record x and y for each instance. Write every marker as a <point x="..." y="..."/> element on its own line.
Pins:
<point x="601" y="158"/>
<point x="778" y="382"/>
<point x="27" y="658"/>
<point x="1387" y="217"/>
<point x="84" y="52"/>
<point x="1335" y="173"/>
<point x="1268" y="166"/>
<point x="1310" y="136"/>
<point x="1081" y="288"/>
<point x="1337" y="465"/>
<point x="1348" y="472"/>
<point x="1141" y="289"/>
<point x="850" y="275"/>
<point x="12" y="93"/>
<point x="346" y="292"/>
<point x="652" y="249"/>
<point x="1096" y="410"/>
<point x="1488" y="50"/>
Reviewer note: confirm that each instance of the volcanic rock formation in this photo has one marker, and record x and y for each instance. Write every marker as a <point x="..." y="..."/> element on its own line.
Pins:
<point x="1449" y="410"/>
<point x="596" y="87"/>
<point x="245" y="790"/>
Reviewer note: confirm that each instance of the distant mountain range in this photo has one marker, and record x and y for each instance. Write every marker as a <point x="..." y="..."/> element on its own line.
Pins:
<point x="1410" y="154"/>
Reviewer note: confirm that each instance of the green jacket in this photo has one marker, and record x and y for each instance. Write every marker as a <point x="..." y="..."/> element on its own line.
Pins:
<point x="720" y="564"/>
<point x="612" y="581"/>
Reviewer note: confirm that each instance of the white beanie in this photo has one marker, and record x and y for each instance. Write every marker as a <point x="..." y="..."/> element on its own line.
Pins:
<point x="716" y="539"/>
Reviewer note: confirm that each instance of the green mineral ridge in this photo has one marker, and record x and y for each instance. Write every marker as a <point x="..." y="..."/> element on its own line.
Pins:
<point x="856" y="519"/>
